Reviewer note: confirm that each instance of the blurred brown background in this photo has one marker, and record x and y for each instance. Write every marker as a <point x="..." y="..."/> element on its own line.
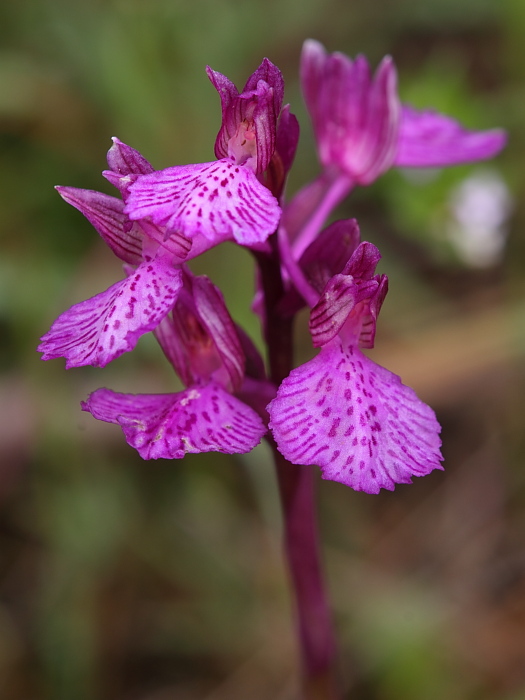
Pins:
<point x="127" y="580"/>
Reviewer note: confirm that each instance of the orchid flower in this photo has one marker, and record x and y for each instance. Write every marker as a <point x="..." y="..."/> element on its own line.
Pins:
<point x="342" y="411"/>
<point x="225" y="197"/>
<point x="203" y="345"/>
<point x="362" y="129"/>
<point x="96" y="331"/>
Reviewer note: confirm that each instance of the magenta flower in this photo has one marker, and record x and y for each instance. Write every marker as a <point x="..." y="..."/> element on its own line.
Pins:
<point x="202" y="343"/>
<point x="355" y="117"/>
<point x="224" y="198"/>
<point x="98" y="330"/>
<point x="361" y="130"/>
<point x="343" y="412"/>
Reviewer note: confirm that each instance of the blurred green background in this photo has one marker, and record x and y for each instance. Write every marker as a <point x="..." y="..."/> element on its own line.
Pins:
<point x="127" y="580"/>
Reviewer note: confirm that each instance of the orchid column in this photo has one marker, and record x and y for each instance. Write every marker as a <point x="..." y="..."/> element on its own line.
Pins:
<point x="339" y="411"/>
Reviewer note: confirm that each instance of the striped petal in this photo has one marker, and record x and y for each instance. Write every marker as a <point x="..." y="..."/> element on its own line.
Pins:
<point x="199" y="419"/>
<point x="106" y="214"/>
<point x="355" y="420"/>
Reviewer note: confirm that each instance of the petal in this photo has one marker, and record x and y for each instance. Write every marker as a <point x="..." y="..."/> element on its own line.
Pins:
<point x="371" y="312"/>
<point x="265" y="117"/>
<point x="124" y="160"/>
<point x="356" y="421"/>
<point x="199" y="419"/>
<point x="172" y="241"/>
<point x="219" y="200"/>
<point x="429" y="139"/>
<point x="106" y="214"/>
<point x="100" y="329"/>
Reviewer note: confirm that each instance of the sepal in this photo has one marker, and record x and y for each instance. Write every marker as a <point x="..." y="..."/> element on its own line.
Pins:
<point x="284" y="154"/>
<point x="350" y="301"/>
<point x="213" y="314"/>
<point x="106" y="215"/>
<point x="328" y="254"/>
<point x="125" y="160"/>
<point x="199" y="337"/>
<point x="333" y="308"/>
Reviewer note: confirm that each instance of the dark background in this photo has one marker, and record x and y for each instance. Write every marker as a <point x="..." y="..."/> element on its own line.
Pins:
<point x="130" y="580"/>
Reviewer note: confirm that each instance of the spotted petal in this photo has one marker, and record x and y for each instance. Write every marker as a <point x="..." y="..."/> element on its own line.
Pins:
<point x="100" y="329"/>
<point x="200" y="419"/>
<point x="430" y="139"/>
<point x="355" y="420"/>
<point x="220" y="200"/>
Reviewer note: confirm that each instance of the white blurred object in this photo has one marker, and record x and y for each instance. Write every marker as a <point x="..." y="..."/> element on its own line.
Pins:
<point x="480" y="207"/>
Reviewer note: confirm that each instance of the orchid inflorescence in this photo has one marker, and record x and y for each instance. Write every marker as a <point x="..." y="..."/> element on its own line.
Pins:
<point x="340" y="411"/>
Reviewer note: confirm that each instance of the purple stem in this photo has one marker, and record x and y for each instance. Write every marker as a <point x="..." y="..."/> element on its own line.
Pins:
<point x="301" y="543"/>
<point x="296" y="486"/>
<point x="292" y="267"/>
<point x="338" y="187"/>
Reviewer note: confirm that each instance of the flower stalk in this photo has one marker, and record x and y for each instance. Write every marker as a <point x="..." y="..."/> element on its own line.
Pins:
<point x="296" y="488"/>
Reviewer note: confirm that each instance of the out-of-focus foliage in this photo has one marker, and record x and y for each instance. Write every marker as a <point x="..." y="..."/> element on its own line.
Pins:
<point x="122" y="579"/>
